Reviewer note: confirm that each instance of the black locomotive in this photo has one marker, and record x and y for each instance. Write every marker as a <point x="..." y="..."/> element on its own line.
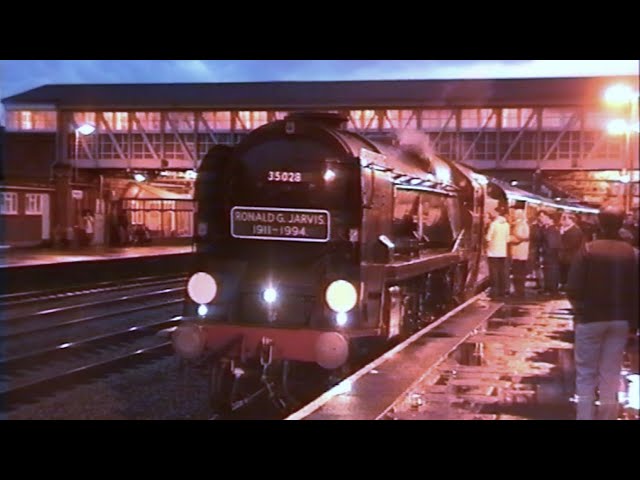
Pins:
<point x="312" y="240"/>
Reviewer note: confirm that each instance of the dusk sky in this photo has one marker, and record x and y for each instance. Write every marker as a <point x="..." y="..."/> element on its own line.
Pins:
<point x="19" y="75"/>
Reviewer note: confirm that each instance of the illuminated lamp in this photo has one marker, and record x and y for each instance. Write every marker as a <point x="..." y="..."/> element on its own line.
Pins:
<point x="202" y="288"/>
<point x="618" y="94"/>
<point x="270" y="295"/>
<point x="329" y="175"/>
<point x="86" y="129"/>
<point x="341" y="296"/>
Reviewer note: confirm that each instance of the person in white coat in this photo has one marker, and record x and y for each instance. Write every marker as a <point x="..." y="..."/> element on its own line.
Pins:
<point x="88" y="222"/>
<point x="519" y="250"/>
<point x="497" y="240"/>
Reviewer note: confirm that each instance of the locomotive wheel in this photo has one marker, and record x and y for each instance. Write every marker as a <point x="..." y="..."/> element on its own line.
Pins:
<point x="221" y="382"/>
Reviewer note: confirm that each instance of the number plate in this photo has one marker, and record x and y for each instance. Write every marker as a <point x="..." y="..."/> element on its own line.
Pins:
<point x="292" y="224"/>
<point x="287" y="177"/>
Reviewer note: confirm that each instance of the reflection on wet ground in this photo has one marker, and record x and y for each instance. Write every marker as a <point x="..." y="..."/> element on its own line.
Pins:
<point x="519" y="366"/>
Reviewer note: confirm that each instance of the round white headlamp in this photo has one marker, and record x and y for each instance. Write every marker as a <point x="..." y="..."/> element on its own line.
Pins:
<point x="341" y="296"/>
<point x="270" y="295"/>
<point x="202" y="288"/>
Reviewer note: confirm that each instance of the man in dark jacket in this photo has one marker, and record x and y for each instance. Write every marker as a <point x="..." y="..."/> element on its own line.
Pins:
<point x="588" y="227"/>
<point x="572" y="239"/>
<point x="629" y="231"/>
<point x="535" y="249"/>
<point x="551" y="246"/>
<point x="603" y="289"/>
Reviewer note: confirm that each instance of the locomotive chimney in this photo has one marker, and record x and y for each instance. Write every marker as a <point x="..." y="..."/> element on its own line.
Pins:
<point x="332" y="120"/>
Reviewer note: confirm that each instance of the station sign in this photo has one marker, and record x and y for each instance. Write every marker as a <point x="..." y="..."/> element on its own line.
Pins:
<point x="291" y="224"/>
<point x="77" y="194"/>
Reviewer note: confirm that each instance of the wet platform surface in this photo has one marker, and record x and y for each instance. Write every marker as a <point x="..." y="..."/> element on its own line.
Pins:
<point x="28" y="257"/>
<point x="376" y="387"/>
<point x="517" y="365"/>
<point x="520" y="367"/>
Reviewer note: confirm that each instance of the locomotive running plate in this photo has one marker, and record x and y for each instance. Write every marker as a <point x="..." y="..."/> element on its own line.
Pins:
<point x="291" y="224"/>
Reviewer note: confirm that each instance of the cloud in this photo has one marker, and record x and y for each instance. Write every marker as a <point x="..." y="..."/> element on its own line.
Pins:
<point x="196" y="69"/>
<point x="20" y="75"/>
<point x="542" y="68"/>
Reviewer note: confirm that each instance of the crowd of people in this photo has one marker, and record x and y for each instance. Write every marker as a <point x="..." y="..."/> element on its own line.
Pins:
<point x="596" y="264"/>
<point x="81" y="235"/>
<point x="123" y="234"/>
<point x="541" y="248"/>
<point x="120" y="233"/>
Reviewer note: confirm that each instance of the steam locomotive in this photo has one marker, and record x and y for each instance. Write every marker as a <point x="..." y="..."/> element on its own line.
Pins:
<point x="314" y="242"/>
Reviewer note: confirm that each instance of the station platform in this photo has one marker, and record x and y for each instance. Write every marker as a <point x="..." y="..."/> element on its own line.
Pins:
<point x="22" y="257"/>
<point x="498" y="361"/>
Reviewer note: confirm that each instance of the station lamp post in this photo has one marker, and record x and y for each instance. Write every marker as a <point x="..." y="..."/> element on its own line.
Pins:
<point x="624" y="97"/>
<point x="84" y="130"/>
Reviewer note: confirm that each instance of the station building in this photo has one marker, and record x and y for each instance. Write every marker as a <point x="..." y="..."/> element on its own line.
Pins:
<point x="132" y="151"/>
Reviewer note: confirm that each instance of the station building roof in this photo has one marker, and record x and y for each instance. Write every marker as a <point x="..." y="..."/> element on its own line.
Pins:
<point x="319" y="95"/>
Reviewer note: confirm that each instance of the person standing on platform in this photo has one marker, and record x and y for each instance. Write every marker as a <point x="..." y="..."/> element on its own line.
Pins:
<point x="79" y="234"/>
<point x="497" y="238"/>
<point x="572" y="239"/>
<point x="629" y="231"/>
<point x="88" y="221"/>
<point x="603" y="290"/>
<point x="551" y="246"/>
<point x="519" y="246"/>
<point x="123" y="228"/>
<point x="588" y="228"/>
<point x="535" y="253"/>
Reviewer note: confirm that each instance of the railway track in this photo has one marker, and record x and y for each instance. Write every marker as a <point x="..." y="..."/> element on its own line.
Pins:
<point x="40" y="373"/>
<point x="18" y="304"/>
<point x="95" y="313"/>
<point x="89" y="332"/>
<point x="15" y="327"/>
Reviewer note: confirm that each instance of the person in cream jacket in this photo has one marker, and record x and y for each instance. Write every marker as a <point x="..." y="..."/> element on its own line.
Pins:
<point x="497" y="240"/>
